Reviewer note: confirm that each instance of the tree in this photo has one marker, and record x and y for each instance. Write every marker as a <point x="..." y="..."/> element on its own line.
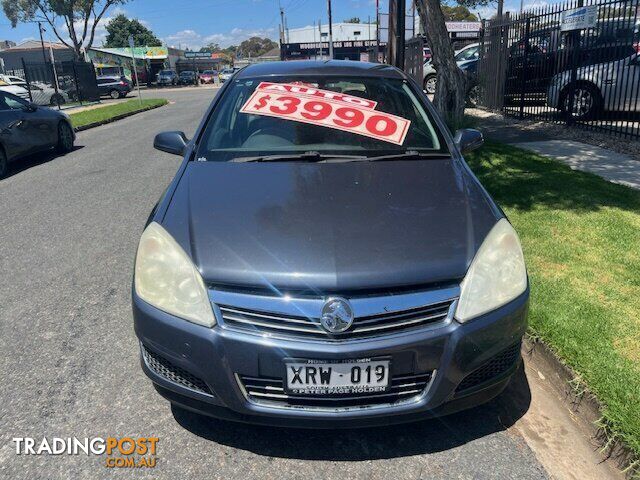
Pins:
<point x="352" y="20"/>
<point x="458" y="13"/>
<point x="211" y="48"/>
<point x="450" y="95"/>
<point x="255" y="46"/>
<point x="79" y="17"/>
<point x="119" y="29"/>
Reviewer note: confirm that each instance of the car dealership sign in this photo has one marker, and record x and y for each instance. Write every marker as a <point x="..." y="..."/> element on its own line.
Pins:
<point x="579" y="18"/>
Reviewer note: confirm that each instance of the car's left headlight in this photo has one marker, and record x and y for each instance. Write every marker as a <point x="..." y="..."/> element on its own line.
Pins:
<point x="496" y="276"/>
<point x="166" y="278"/>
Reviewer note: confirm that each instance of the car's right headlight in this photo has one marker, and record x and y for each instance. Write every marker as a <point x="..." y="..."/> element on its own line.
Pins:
<point x="496" y="276"/>
<point x="166" y="278"/>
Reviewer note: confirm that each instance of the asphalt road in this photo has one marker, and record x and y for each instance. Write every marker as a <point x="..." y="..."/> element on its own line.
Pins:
<point x="69" y="356"/>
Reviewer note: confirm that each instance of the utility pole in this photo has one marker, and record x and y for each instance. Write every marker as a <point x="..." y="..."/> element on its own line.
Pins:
<point x="281" y="25"/>
<point x="377" y="31"/>
<point x="397" y="14"/>
<point x="330" y="30"/>
<point x="44" y="52"/>
<point x="320" y="32"/>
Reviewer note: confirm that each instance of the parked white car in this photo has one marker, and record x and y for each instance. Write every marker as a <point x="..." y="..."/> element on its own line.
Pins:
<point x="15" y="89"/>
<point x="45" y="94"/>
<point x="226" y="74"/>
<point x="470" y="52"/>
<point x="610" y="86"/>
<point x="12" y="80"/>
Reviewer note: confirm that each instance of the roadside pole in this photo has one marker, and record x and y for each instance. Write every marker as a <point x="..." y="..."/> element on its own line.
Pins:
<point x="135" y="69"/>
<point x="330" y="30"/>
<point x="55" y="75"/>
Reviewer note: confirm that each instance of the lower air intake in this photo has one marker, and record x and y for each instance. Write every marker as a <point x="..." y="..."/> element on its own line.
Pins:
<point x="173" y="373"/>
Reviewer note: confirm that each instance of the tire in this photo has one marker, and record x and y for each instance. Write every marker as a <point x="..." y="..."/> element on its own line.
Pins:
<point x="587" y="103"/>
<point x="56" y="99"/>
<point x="115" y="94"/>
<point x="430" y="83"/>
<point x="472" y="97"/>
<point x="4" y="163"/>
<point x="65" y="138"/>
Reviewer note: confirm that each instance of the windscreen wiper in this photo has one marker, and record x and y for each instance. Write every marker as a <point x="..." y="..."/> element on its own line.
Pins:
<point x="410" y="154"/>
<point x="306" y="156"/>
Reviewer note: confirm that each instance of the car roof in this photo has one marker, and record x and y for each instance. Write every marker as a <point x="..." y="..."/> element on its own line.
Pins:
<point x="329" y="67"/>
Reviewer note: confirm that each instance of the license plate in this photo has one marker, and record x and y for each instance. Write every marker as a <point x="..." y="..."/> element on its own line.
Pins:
<point x="315" y="377"/>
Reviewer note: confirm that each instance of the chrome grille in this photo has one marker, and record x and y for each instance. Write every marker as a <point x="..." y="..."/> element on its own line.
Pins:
<point x="270" y="391"/>
<point x="309" y="326"/>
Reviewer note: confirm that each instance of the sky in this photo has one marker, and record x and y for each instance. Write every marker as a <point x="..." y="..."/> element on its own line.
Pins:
<point x="197" y="23"/>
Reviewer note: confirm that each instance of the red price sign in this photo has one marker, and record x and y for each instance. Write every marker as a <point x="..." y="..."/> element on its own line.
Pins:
<point x="339" y="114"/>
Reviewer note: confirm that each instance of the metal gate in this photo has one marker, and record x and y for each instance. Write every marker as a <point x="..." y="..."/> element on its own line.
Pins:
<point x="60" y="84"/>
<point x="531" y="68"/>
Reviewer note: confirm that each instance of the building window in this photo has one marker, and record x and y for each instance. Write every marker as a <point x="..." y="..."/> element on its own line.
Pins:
<point x="324" y="34"/>
<point x="356" y="33"/>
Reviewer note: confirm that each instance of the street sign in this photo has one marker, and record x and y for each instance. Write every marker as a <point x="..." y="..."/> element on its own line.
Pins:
<point x="197" y="55"/>
<point x="579" y="18"/>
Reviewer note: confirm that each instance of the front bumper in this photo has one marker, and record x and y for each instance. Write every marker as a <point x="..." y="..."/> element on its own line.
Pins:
<point x="217" y="356"/>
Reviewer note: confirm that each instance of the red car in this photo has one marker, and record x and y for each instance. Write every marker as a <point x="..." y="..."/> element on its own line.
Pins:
<point x="208" y="76"/>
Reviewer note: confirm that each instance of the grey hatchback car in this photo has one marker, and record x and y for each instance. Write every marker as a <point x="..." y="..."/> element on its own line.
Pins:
<point x="26" y="128"/>
<point x="324" y="257"/>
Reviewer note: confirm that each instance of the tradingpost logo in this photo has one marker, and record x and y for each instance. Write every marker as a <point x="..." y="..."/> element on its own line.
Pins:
<point x="124" y="452"/>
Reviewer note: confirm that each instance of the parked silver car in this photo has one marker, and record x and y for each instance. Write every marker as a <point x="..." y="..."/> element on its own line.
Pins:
<point x="470" y="52"/>
<point x="610" y="86"/>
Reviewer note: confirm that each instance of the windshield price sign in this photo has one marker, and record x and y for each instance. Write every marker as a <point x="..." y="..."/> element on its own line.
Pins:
<point x="306" y="104"/>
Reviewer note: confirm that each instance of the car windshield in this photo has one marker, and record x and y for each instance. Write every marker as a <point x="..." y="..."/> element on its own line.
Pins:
<point x="470" y="53"/>
<point x="166" y="72"/>
<point x="328" y="115"/>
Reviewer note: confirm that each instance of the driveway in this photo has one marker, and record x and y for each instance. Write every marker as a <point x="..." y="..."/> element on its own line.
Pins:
<point x="70" y="364"/>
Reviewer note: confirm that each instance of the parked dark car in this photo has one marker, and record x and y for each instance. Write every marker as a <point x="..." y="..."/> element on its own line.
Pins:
<point x="114" y="86"/>
<point x="188" y="77"/>
<point x="324" y="257"/>
<point x="26" y="128"/>
<point x="167" y="77"/>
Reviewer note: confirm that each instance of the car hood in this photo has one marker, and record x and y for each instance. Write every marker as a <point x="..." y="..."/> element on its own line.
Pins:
<point x="330" y="227"/>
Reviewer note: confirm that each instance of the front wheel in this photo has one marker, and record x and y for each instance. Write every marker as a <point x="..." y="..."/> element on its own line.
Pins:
<point x="65" y="138"/>
<point x="587" y="102"/>
<point x="56" y="99"/>
<point x="430" y="84"/>
<point x="4" y="164"/>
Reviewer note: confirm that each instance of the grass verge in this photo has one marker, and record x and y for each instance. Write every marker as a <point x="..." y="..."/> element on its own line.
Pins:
<point x="581" y="238"/>
<point x="110" y="112"/>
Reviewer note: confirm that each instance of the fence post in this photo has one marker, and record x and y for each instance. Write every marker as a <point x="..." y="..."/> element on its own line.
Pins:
<point x="574" y="41"/>
<point x="75" y="79"/>
<point x="26" y="79"/>
<point x="525" y="64"/>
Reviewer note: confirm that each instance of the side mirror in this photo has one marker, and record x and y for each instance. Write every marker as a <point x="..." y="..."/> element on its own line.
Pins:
<point x="171" y="142"/>
<point x="30" y="107"/>
<point x="468" y="139"/>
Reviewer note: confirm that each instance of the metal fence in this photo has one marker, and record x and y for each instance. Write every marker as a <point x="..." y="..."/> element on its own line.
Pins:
<point x="530" y="68"/>
<point x="61" y="84"/>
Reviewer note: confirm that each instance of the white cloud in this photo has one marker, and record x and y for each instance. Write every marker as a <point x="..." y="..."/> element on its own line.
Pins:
<point x="195" y="40"/>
